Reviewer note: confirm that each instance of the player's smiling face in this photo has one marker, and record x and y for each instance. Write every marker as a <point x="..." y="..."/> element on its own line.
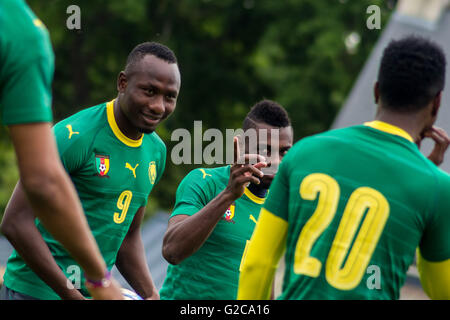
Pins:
<point x="147" y="94"/>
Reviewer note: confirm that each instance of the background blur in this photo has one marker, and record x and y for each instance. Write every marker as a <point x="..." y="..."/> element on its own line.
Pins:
<point x="318" y="59"/>
<point x="305" y="54"/>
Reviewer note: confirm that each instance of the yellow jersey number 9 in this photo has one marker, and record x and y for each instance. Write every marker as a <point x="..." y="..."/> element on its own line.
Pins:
<point x="123" y="203"/>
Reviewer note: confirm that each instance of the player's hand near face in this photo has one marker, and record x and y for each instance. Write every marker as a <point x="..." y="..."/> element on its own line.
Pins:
<point x="186" y="233"/>
<point x="441" y="140"/>
<point x="243" y="172"/>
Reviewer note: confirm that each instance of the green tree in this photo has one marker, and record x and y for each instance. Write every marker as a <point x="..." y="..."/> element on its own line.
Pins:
<point x="231" y="53"/>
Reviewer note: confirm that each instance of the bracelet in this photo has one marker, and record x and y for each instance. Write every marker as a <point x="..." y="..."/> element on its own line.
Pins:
<point x="102" y="283"/>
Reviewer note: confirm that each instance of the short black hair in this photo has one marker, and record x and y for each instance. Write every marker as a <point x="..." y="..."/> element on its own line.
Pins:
<point x="268" y="112"/>
<point x="150" y="48"/>
<point x="411" y="73"/>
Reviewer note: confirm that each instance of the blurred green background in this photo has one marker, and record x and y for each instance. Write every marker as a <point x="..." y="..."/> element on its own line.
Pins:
<point x="304" y="54"/>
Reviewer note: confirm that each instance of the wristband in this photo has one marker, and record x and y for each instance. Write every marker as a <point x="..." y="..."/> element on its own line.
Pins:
<point x="102" y="283"/>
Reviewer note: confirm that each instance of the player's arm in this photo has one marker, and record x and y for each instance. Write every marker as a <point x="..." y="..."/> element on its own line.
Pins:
<point x="19" y="228"/>
<point x="131" y="261"/>
<point x="434" y="248"/>
<point x="26" y="101"/>
<point x="434" y="277"/>
<point x="186" y="233"/>
<point x="268" y="241"/>
<point x="55" y="202"/>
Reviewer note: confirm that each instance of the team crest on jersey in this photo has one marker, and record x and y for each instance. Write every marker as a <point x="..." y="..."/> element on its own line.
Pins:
<point x="102" y="165"/>
<point x="152" y="172"/>
<point x="229" y="214"/>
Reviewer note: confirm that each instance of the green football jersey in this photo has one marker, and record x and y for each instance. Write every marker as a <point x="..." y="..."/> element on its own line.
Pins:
<point x="26" y="65"/>
<point x="113" y="176"/>
<point x="356" y="216"/>
<point x="212" y="273"/>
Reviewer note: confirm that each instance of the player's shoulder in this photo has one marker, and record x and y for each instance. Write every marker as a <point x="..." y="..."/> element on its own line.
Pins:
<point x="208" y="175"/>
<point x="21" y="26"/>
<point x="18" y="11"/>
<point x="442" y="177"/>
<point x="155" y="140"/>
<point x="333" y="133"/>
<point x="342" y="134"/>
<point x="83" y="124"/>
<point x="313" y="140"/>
<point x="87" y="118"/>
<point x="351" y="135"/>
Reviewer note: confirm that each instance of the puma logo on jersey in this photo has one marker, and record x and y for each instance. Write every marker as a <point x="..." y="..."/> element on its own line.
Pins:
<point x="38" y="23"/>
<point x="204" y="173"/>
<point x="71" y="132"/>
<point x="133" y="170"/>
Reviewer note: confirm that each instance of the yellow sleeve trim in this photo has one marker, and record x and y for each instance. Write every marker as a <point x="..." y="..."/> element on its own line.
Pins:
<point x="435" y="277"/>
<point x="254" y="198"/>
<point x="264" y="252"/>
<point x="115" y="128"/>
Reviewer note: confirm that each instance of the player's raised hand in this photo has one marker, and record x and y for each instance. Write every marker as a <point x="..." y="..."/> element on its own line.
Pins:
<point x="243" y="172"/>
<point x="441" y="140"/>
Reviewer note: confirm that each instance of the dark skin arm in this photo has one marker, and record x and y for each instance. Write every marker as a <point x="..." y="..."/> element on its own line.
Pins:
<point x="19" y="228"/>
<point x="186" y="234"/>
<point x="54" y="200"/>
<point x="131" y="260"/>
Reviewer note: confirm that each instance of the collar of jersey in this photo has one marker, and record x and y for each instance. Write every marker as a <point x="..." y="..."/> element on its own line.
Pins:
<point x="254" y="198"/>
<point x="389" y="128"/>
<point x="115" y="128"/>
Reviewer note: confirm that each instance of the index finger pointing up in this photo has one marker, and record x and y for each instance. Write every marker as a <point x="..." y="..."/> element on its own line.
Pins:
<point x="237" y="153"/>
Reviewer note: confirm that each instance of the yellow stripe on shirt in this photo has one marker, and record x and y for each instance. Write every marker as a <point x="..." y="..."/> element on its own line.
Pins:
<point x="264" y="252"/>
<point x="389" y="128"/>
<point x="434" y="277"/>
<point x="253" y="197"/>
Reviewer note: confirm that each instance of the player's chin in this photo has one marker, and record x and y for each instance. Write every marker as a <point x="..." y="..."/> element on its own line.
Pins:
<point x="148" y="128"/>
<point x="147" y="125"/>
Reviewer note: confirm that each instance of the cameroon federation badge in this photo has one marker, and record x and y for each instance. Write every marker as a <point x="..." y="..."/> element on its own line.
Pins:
<point x="102" y="165"/>
<point x="152" y="172"/>
<point x="229" y="214"/>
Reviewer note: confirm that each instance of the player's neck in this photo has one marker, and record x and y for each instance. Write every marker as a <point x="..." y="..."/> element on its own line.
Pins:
<point x="124" y="124"/>
<point x="412" y="124"/>
<point x="257" y="190"/>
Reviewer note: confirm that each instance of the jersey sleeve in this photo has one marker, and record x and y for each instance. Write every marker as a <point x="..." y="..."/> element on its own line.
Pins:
<point x="435" y="242"/>
<point x="434" y="277"/>
<point x="27" y="69"/>
<point x="266" y="247"/>
<point x="193" y="193"/>
<point x="162" y="163"/>
<point x="73" y="151"/>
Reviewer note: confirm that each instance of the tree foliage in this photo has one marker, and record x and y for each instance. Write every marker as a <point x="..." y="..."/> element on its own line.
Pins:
<point x="231" y="53"/>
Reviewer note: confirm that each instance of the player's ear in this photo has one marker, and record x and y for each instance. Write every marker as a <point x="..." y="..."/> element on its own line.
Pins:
<point x="121" y="81"/>
<point x="376" y="92"/>
<point x="436" y="104"/>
